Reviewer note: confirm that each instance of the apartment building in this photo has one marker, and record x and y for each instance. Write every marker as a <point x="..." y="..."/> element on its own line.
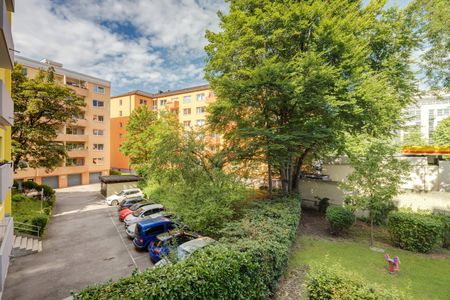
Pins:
<point x="426" y="113"/>
<point x="189" y="104"/>
<point x="87" y="140"/>
<point x="6" y="121"/>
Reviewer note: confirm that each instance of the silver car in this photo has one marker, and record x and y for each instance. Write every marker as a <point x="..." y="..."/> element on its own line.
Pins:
<point x="185" y="250"/>
<point x="145" y="212"/>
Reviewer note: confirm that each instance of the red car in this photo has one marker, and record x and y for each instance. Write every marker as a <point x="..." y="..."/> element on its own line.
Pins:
<point x="127" y="211"/>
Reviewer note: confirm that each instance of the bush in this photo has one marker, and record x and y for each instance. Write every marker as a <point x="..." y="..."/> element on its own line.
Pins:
<point x="30" y="185"/>
<point x="323" y="204"/>
<point x="19" y="198"/>
<point x="326" y="281"/>
<point x="40" y="221"/>
<point x="340" y="218"/>
<point x="114" y="172"/>
<point x="414" y="231"/>
<point x="246" y="264"/>
<point x="445" y="219"/>
<point x="48" y="190"/>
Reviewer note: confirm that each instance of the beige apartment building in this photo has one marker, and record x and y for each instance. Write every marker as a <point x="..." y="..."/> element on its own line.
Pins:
<point x="87" y="141"/>
<point x="189" y="104"/>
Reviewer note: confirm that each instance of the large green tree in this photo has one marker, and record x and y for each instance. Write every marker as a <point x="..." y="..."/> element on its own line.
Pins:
<point x="291" y="77"/>
<point x="441" y="135"/>
<point x="376" y="178"/>
<point x="413" y="137"/>
<point x="42" y="106"/>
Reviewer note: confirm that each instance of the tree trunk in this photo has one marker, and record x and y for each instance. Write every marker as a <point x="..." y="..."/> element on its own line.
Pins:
<point x="269" y="167"/>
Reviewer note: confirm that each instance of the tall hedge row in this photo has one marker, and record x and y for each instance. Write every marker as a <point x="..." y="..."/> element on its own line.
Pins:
<point x="246" y="263"/>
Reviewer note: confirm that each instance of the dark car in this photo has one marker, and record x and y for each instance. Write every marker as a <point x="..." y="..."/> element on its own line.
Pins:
<point x="147" y="231"/>
<point x="126" y="203"/>
<point x="168" y="242"/>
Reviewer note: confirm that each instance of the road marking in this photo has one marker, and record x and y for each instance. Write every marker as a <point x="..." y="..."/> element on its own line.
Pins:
<point x="123" y="242"/>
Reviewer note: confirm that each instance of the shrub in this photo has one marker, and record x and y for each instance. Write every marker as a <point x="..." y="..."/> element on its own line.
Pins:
<point x="114" y="172"/>
<point x="414" y="231"/>
<point x="40" y="221"/>
<point x="323" y="204"/>
<point x="445" y="219"/>
<point x="325" y="281"/>
<point x="48" y="190"/>
<point x="340" y="218"/>
<point x="246" y="264"/>
<point x="30" y="185"/>
<point x="19" y="198"/>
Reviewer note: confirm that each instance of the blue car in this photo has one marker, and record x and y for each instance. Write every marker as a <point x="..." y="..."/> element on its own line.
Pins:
<point x="147" y="231"/>
<point x="167" y="242"/>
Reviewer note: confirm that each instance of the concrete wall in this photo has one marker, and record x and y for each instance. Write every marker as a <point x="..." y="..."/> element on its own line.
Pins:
<point x="112" y="188"/>
<point x="444" y="176"/>
<point x="311" y="190"/>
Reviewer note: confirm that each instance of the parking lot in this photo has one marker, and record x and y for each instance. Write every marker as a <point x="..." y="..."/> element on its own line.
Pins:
<point x="85" y="244"/>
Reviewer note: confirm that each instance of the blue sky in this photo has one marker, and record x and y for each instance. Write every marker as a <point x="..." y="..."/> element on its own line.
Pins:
<point x="149" y="45"/>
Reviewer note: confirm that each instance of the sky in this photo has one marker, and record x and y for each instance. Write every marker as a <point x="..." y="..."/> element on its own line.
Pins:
<point x="149" y="45"/>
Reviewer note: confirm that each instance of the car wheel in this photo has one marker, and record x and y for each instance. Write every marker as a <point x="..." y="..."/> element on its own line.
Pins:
<point x="115" y="203"/>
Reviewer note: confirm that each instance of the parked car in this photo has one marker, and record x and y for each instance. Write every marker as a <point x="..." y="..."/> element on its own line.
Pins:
<point x="168" y="242"/>
<point x="127" y="203"/>
<point x="147" y="231"/>
<point x="142" y="213"/>
<point x="117" y="198"/>
<point x="126" y="211"/>
<point x="185" y="250"/>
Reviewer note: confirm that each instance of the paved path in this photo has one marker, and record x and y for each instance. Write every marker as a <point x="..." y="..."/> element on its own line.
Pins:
<point x="84" y="244"/>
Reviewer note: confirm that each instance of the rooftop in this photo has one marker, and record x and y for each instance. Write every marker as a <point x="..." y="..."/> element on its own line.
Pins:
<point x="166" y="93"/>
<point x="119" y="178"/>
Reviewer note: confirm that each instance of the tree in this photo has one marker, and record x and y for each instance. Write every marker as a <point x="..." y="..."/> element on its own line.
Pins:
<point x="181" y="170"/>
<point x="42" y="106"/>
<point x="291" y="77"/>
<point x="376" y="177"/>
<point x="413" y="137"/>
<point x="441" y="135"/>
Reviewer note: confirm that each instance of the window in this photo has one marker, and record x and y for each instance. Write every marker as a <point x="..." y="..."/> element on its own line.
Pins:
<point x="155" y="105"/>
<point x="120" y="113"/>
<point x="186" y="111"/>
<point x="75" y="146"/>
<point x="143" y="102"/>
<point x="99" y="161"/>
<point x="211" y="93"/>
<point x="75" y="130"/>
<point x="186" y="123"/>
<point x="120" y="102"/>
<point x="214" y="135"/>
<point x="77" y="161"/>
<point x="25" y="71"/>
<point x="98" y="103"/>
<point x="120" y="124"/>
<point x="99" y="89"/>
<point x="163" y="102"/>
<point x="155" y="230"/>
<point x="98" y="118"/>
<point x="201" y="110"/>
<point x="98" y="132"/>
<point x="120" y="135"/>
<point x="201" y="97"/>
<point x="98" y="147"/>
<point x="186" y="99"/>
<point x="200" y="122"/>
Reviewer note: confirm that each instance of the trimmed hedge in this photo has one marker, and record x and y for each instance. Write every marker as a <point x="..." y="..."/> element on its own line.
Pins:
<point x="340" y="218"/>
<point x="246" y="264"/>
<point x="445" y="219"/>
<point x="325" y="281"/>
<point x="414" y="231"/>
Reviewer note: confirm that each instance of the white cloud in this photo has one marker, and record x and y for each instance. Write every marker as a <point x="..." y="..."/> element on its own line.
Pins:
<point x="168" y="37"/>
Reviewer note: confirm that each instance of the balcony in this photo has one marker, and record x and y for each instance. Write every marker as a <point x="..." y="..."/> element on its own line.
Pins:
<point x="6" y="180"/>
<point x="79" y="90"/>
<point x="81" y="122"/>
<point x="6" y="236"/>
<point x="77" y="153"/>
<point x="72" y="138"/>
<point x="6" y="40"/>
<point x="6" y="107"/>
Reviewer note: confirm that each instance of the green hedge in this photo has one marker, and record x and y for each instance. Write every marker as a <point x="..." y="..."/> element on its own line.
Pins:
<point x="414" y="231"/>
<point x="326" y="281"/>
<point x="340" y="218"/>
<point x="246" y="264"/>
<point x="445" y="219"/>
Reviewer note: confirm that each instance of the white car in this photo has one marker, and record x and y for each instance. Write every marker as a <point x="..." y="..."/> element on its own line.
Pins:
<point x="185" y="250"/>
<point x="145" y="212"/>
<point x="122" y="195"/>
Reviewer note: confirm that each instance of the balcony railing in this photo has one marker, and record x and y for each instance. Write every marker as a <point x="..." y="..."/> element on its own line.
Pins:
<point x="7" y="233"/>
<point x="77" y="153"/>
<point x="6" y="179"/>
<point x="6" y="107"/>
<point x="6" y="40"/>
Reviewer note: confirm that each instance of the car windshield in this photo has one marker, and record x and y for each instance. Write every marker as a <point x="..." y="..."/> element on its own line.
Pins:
<point x="182" y="254"/>
<point x="137" y="212"/>
<point x="120" y="193"/>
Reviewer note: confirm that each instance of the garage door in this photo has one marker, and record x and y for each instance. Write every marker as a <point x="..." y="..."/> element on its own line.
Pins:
<point x="74" y="179"/>
<point x="94" y="177"/>
<point x="51" y="181"/>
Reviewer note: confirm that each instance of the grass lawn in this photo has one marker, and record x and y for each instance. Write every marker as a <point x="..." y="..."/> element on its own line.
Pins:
<point x="25" y="209"/>
<point x="422" y="276"/>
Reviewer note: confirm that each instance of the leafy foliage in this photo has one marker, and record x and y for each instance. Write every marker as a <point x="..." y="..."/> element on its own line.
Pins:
<point x="291" y="77"/>
<point x="331" y="281"/>
<point x="414" y="231"/>
<point x="246" y="264"/>
<point x="441" y="135"/>
<point x="413" y="137"/>
<point x="445" y="219"/>
<point x="376" y="177"/>
<point x="340" y="218"/>
<point x="41" y="107"/>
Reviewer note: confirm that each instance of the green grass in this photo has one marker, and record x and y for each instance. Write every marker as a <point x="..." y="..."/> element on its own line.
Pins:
<point x="25" y="209"/>
<point x="422" y="276"/>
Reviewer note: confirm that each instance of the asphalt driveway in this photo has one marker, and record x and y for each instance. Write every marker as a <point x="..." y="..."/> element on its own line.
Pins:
<point x="85" y="244"/>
